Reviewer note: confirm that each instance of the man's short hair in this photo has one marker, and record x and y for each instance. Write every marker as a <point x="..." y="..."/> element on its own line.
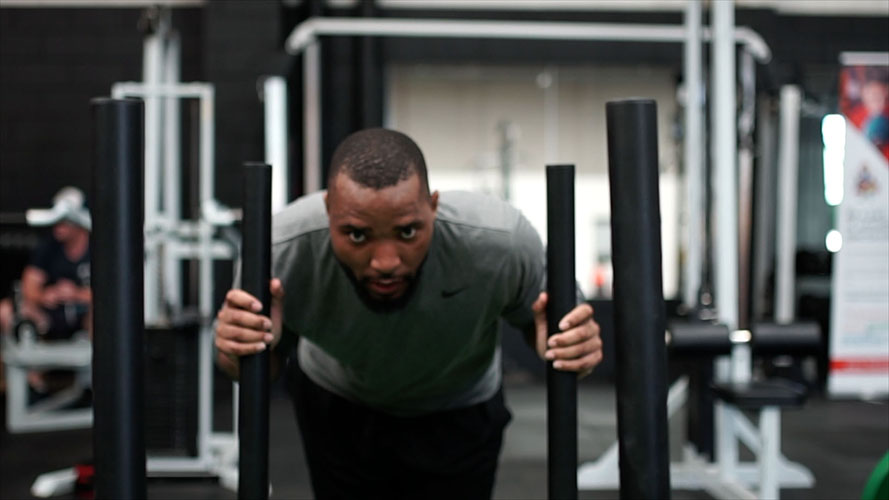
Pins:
<point x="378" y="158"/>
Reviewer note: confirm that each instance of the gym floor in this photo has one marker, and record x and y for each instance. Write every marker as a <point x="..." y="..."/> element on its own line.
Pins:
<point x="839" y="441"/>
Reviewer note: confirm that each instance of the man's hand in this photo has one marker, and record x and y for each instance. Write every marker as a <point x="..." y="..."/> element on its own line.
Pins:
<point x="242" y="329"/>
<point x="66" y="290"/>
<point x="577" y="347"/>
<point x="49" y="297"/>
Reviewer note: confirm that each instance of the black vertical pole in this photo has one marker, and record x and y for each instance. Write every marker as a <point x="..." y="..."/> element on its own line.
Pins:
<point x="638" y="299"/>
<point x="370" y="68"/>
<point x="116" y="246"/>
<point x="253" y="409"/>
<point x="561" y="387"/>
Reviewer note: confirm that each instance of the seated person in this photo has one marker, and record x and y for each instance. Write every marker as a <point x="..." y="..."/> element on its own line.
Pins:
<point x="55" y="286"/>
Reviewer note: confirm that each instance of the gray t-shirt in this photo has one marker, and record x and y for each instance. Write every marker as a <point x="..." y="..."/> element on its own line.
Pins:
<point x="442" y="348"/>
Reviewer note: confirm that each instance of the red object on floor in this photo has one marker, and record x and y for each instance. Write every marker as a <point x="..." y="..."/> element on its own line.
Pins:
<point x="83" y="488"/>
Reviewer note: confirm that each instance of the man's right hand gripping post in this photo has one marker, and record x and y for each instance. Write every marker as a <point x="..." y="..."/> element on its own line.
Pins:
<point x="241" y="328"/>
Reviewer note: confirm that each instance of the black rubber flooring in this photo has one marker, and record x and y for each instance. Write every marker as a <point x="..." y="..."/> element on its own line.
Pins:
<point x="839" y="441"/>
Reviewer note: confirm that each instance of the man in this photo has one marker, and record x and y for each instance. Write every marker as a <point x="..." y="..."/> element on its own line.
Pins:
<point x="396" y="295"/>
<point x="55" y="286"/>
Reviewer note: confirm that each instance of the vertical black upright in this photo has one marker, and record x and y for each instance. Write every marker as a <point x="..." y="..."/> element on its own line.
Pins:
<point x="253" y="409"/>
<point x="116" y="245"/>
<point x="561" y="387"/>
<point x="370" y="69"/>
<point x="639" y="318"/>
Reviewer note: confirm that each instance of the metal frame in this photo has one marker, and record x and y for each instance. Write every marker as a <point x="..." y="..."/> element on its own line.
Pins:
<point x="177" y="240"/>
<point x="724" y="149"/>
<point x="727" y="478"/>
<point x="304" y="40"/>
<point x="169" y="238"/>
<point x="274" y="98"/>
<point x="785" y="232"/>
<point x="693" y="154"/>
<point x="49" y="414"/>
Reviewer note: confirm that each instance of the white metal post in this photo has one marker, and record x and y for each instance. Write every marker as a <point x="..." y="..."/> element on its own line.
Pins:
<point x="172" y="172"/>
<point x="726" y="442"/>
<point x="312" y="112"/>
<point x="770" y="452"/>
<point x="152" y="67"/>
<point x="205" y="344"/>
<point x="275" y="106"/>
<point x="725" y="258"/>
<point x="549" y="80"/>
<point x="693" y="154"/>
<point x="207" y="177"/>
<point x="724" y="155"/>
<point x="788" y="168"/>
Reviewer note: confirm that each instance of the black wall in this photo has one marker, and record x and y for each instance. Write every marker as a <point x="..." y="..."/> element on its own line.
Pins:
<point x="242" y="42"/>
<point x="52" y="62"/>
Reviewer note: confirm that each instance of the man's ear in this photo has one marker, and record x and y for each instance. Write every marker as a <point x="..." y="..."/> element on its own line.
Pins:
<point x="326" y="203"/>
<point x="433" y="201"/>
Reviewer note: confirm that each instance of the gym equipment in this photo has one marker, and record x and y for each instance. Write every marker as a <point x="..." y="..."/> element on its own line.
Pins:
<point x="24" y="351"/>
<point x="638" y="299"/>
<point x="117" y="250"/>
<point x="253" y="424"/>
<point x="770" y="470"/>
<point x="561" y="387"/>
<point x="23" y="354"/>
<point x="727" y="477"/>
<point x="802" y="338"/>
<point x="305" y="40"/>
<point x="172" y="238"/>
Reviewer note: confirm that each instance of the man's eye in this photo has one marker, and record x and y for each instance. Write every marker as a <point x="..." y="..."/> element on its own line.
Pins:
<point x="357" y="236"/>
<point x="408" y="232"/>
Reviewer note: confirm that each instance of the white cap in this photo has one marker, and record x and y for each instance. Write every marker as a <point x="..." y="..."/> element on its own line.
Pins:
<point x="69" y="204"/>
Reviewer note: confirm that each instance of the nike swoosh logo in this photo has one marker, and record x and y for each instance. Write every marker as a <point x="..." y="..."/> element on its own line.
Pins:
<point x="450" y="293"/>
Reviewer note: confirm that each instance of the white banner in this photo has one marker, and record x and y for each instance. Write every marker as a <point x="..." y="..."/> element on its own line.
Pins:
<point x="859" y="340"/>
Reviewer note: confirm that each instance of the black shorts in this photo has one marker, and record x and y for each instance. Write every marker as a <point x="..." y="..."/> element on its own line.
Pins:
<point x="356" y="452"/>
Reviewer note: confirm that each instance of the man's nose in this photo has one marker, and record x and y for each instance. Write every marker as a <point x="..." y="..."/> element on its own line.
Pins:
<point x="385" y="259"/>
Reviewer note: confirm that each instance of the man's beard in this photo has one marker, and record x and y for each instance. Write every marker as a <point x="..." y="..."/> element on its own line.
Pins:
<point x="379" y="304"/>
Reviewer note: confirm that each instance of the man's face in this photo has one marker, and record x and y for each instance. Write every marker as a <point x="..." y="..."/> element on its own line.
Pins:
<point x="381" y="235"/>
<point x="65" y="231"/>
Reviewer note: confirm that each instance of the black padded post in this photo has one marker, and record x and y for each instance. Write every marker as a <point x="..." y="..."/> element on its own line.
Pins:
<point x="794" y="339"/>
<point x="253" y="409"/>
<point x="116" y="245"/>
<point x="698" y="340"/>
<point x="638" y="299"/>
<point x="561" y="386"/>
